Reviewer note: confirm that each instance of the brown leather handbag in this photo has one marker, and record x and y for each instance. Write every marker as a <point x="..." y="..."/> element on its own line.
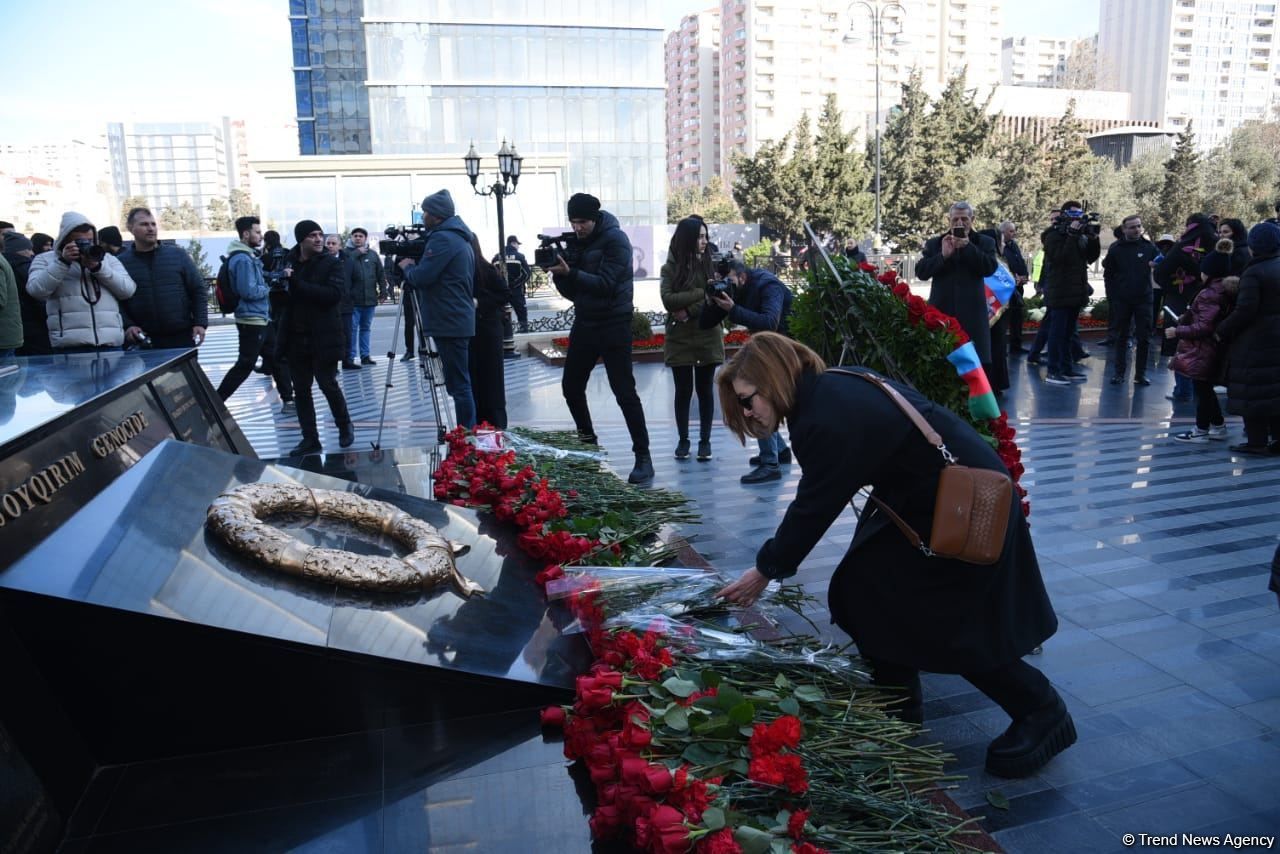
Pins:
<point x="971" y="510"/>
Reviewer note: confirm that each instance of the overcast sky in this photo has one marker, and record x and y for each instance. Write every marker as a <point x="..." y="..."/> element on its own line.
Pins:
<point x="198" y="60"/>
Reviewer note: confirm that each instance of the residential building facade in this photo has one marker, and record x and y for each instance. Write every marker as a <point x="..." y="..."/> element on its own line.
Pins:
<point x="1209" y="63"/>
<point x="693" y="100"/>
<point x="1033" y="60"/>
<point x="169" y="163"/>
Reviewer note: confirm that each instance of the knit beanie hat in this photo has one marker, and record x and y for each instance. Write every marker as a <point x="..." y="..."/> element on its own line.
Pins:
<point x="439" y="204"/>
<point x="302" y="229"/>
<point x="1264" y="239"/>
<point x="1217" y="264"/>
<point x="583" y="206"/>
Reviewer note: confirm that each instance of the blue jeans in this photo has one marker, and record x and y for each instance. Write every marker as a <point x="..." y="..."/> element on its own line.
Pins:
<point x="455" y="360"/>
<point x="7" y="354"/>
<point x="361" y="323"/>
<point x="770" y="448"/>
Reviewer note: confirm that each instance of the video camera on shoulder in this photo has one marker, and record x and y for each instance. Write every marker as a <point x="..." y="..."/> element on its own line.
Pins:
<point x="273" y="264"/>
<point x="404" y="241"/>
<point x="1092" y="221"/>
<point x="564" y="244"/>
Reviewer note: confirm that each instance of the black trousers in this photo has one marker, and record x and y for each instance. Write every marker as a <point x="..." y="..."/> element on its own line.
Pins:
<point x="173" y="340"/>
<point x="1017" y="687"/>
<point x="410" y="320"/>
<point x="1015" y="314"/>
<point x="1208" y="410"/>
<point x="276" y="364"/>
<point x="687" y="379"/>
<point x="515" y="294"/>
<point x="346" y="333"/>
<point x="487" y="368"/>
<point x="306" y="368"/>
<point x="609" y="341"/>
<point x="1258" y="428"/>
<point x="250" y="345"/>
<point x="1125" y="315"/>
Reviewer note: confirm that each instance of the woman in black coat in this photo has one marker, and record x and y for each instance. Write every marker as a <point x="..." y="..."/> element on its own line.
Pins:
<point x="1252" y="333"/>
<point x="1234" y="230"/>
<point x="906" y="611"/>
<point x="485" y="362"/>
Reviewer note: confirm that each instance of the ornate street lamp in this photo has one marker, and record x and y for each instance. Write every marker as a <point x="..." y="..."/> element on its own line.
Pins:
<point x="504" y="185"/>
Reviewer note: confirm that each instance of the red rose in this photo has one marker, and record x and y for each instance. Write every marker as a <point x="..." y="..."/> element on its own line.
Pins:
<point x="867" y="268"/>
<point x="807" y="848"/>
<point x="720" y="842"/>
<point x="551" y="573"/>
<point x="605" y="822"/>
<point x="795" y="824"/>
<point x="553" y="716"/>
<point x="915" y="308"/>
<point x="595" y="698"/>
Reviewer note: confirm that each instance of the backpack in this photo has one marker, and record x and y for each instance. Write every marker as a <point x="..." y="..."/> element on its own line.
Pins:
<point x="223" y="290"/>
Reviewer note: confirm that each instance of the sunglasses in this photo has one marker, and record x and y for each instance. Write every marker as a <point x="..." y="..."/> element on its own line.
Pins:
<point x="745" y="402"/>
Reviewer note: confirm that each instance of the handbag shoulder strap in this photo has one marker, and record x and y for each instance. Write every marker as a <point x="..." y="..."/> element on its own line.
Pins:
<point x="929" y="433"/>
<point x="907" y="409"/>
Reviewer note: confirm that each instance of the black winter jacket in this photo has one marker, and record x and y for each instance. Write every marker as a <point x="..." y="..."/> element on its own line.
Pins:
<point x="1252" y="333"/>
<point x="1070" y="256"/>
<point x="934" y="614"/>
<point x="35" y="319"/>
<point x="171" y="297"/>
<point x="312" y="324"/>
<point x="762" y="305"/>
<point x="600" y="284"/>
<point x="1127" y="270"/>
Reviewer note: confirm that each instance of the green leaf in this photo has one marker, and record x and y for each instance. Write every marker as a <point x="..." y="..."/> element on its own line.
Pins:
<point x="996" y="798"/>
<point x="789" y="706"/>
<point x="809" y="693"/>
<point x="710" y="678"/>
<point x="765" y="694"/>
<point x="752" y="840"/>
<point x="680" y="687"/>
<point x="743" y="713"/>
<point x="677" y="718"/>
<point x="704" y="754"/>
<point x="713" y="818"/>
<point x="782" y="682"/>
<point x="728" y="697"/>
<point x="746" y="731"/>
<point x="739" y="766"/>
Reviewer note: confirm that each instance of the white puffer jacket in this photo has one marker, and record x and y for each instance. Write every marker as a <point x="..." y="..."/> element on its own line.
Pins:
<point x="83" y="307"/>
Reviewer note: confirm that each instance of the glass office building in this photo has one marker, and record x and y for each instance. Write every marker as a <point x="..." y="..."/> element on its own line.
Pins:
<point x="328" y="76"/>
<point x="581" y="79"/>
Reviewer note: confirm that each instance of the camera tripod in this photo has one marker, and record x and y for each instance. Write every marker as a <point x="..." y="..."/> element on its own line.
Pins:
<point x="432" y="370"/>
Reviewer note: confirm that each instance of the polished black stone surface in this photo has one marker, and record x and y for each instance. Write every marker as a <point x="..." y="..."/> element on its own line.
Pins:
<point x="72" y="423"/>
<point x="142" y="546"/>
<point x="487" y="783"/>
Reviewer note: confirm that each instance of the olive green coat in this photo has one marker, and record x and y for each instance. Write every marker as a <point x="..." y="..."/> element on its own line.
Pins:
<point x="686" y="343"/>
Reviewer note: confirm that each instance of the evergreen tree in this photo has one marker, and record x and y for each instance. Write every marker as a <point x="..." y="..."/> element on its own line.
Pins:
<point x="905" y="151"/>
<point x="196" y="251"/>
<point x="1068" y="162"/>
<point x="836" y="187"/>
<point x="762" y="188"/>
<point x="219" y="215"/>
<point x="798" y="174"/>
<point x="188" y="216"/>
<point x="1145" y="176"/>
<point x="170" y="219"/>
<point x="711" y="203"/>
<point x="129" y="204"/>
<point x="1181" y="195"/>
<point x="1018" y="186"/>
<point x="242" y="204"/>
<point x="1242" y="175"/>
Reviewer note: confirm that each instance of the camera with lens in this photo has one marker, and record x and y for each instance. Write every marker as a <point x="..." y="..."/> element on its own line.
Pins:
<point x="404" y="241"/>
<point x="273" y="264"/>
<point x="1091" y="222"/>
<point x="564" y="244"/>
<point x="90" y="251"/>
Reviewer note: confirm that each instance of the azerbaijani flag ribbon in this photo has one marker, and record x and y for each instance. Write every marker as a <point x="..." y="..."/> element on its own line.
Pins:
<point x="982" y="402"/>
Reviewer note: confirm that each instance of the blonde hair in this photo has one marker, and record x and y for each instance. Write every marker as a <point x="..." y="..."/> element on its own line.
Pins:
<point x="773" y="364"/>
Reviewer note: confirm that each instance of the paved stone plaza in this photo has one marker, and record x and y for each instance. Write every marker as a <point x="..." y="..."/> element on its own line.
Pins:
<point x="1155" y="554"/>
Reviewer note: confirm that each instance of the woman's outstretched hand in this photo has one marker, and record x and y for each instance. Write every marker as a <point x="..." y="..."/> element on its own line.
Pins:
<point x="746" y="590"/>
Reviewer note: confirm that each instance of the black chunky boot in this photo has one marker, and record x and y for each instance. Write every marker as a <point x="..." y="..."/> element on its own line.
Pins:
<point x="643" y="472"/>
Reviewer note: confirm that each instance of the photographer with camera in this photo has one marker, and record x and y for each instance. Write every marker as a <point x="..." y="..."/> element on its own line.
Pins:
<point x="81" y="285"/>
<point x="592" y="268"/>
<point x="691" y="352"/>
<point x="311" y="334"/>
<point x="1070" y="246"/>
<point x="757" y="299"/>
<point x="958" y="263"/>
<point x="443" y="282"/>
<point x="244" y="271"/>
<point x="170" y="308"/>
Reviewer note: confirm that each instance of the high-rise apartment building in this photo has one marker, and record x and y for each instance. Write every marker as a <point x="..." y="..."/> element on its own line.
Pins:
<point x="779" y="58"/>
<point x="169" y="163"/>
<point x="1033" y="61"/>
<point x="1208" y="62"/>
<point x="329" y="76"/>
<point x="693" y="100"/>
<point x="582" y="78"/>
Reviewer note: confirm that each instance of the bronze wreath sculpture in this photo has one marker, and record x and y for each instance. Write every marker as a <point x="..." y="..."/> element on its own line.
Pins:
<point x="237" y="517"/>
